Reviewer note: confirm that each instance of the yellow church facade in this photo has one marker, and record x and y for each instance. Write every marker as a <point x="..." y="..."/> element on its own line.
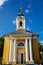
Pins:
<point x="21" y="45"/>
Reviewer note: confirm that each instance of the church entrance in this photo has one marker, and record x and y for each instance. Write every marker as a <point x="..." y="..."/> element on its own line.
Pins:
<point x="20" y="56"/>
<point x="20" y="53"/>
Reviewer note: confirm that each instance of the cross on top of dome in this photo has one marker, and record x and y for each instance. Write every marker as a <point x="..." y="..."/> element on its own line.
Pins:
<point x="20" y="12"/>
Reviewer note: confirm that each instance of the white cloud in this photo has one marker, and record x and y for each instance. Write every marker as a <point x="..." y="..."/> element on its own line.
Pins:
<point x="14" y="22"/>
<point x="27" y="11"/>
<point x="41" y="41"/>
<point x="29" y="6"/>
<point x="28" y="28"/>
<point x="2" y="2"/>
<point x="30" y="21"/>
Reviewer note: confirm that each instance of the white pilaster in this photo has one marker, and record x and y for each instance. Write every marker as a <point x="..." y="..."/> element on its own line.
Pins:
<point x="10" y="52"/>
<point x="14" y="59"/>
<point x="24" y="24"/>
<point x="30" y="47"/>
<point x="17" y="23"/>
<point x="26" y="44"/>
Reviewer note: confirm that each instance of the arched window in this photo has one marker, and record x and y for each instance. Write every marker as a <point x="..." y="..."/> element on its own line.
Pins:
<point x="21" y="44"/>
<point x="20" y="23"/>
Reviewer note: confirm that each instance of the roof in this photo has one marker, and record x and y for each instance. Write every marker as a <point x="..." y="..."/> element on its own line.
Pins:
<point x="21" y="32"/>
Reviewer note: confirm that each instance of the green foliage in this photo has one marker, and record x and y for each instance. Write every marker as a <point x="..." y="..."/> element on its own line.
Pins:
<point x="40" y="47"/>
<point x="1" y="47"/>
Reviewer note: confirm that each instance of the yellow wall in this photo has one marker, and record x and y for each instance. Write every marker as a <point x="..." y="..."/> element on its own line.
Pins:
<point x="7" y="46"/>
<point x="35" y="50"/>
<point x="6" y="50"/>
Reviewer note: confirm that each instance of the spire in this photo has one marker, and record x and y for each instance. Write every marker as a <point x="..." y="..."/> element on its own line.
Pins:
<point x="20" y="12"/>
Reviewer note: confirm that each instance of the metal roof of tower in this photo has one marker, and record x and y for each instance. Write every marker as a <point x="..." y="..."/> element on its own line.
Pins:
<point x="20" y="12"/>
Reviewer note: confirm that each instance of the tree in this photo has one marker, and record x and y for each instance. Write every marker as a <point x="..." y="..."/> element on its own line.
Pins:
<point x="1" y="47"/>
<point x="41" y="52"/>
<point x="40" y="46"/>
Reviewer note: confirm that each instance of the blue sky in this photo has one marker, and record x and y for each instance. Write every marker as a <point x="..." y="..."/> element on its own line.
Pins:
<point x="32" y="9"/>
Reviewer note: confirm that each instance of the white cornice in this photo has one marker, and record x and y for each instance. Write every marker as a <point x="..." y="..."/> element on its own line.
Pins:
<point x="34" y="37"/>
<point x="6" y="37"/>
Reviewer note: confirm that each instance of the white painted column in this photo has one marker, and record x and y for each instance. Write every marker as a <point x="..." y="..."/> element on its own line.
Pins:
<point x="26" y="44"/>
<point x="14" y="59"/>
<point x="10" y="52"/>
<point x="30" y="47"/>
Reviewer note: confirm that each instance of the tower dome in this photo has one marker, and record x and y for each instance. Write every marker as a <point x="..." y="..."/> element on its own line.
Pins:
<point x="20" y="12"/>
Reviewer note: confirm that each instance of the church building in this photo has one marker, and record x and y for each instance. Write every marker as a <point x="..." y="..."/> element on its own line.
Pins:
<point x="21" y="45"/>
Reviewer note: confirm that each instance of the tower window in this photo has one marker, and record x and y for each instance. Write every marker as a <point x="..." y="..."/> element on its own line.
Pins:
<point x="20" y="23"/>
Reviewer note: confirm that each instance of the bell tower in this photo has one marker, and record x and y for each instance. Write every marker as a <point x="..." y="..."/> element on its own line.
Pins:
<point x="20" y="20"/>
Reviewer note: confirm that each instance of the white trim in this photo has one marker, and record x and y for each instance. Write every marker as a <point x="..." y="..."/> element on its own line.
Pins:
<point x="30" y="47"/>
<point x="18" y="20"/>
<point x="10" y="52"/>
<point x="19" y="55"/>
<point x="6" y="37"/>
<point x="28" y="38"/>
<point x="21" y="27"/>
<point x="7" y="62"/>
<point x="34" y="37"/>
<point x="14" y="59"/>
<point x="26" y="45"/>
<point x="17" y="23"/>
<point x="24" y="24"/>
<point x="19" y="42"/>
